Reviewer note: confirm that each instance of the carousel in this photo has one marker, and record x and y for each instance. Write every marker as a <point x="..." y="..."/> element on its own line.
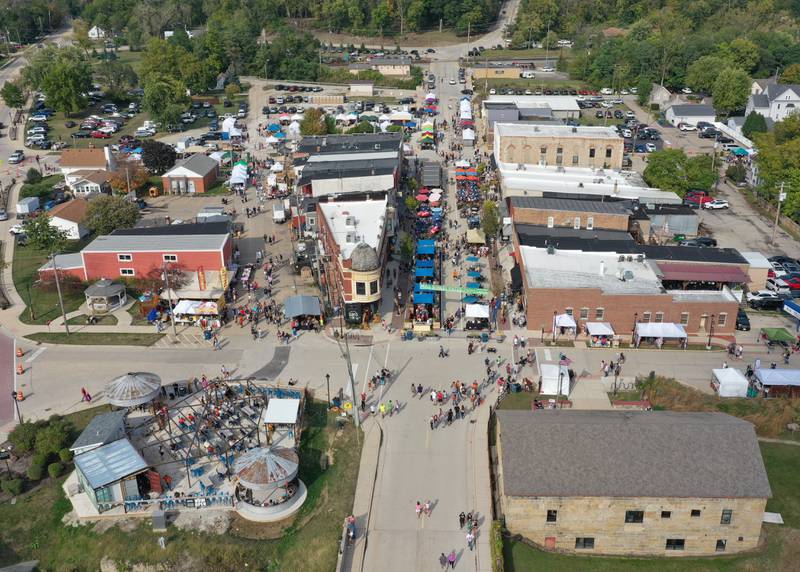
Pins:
<point x="267" y="487"/>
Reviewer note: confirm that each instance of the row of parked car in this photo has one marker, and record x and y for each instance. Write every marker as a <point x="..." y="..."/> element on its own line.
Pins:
<point x="783" y="283"/>
<point x="307" y="88"/>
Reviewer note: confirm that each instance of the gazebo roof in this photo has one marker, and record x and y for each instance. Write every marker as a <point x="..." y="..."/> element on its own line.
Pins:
<point x="133" y="388"/>
<point x="266" y="468"/>
<point x="105" y="288"/>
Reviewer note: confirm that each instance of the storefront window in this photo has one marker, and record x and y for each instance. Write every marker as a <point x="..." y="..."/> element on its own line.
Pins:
<point x="361" y="288"/>
<point x="373" y="287"/>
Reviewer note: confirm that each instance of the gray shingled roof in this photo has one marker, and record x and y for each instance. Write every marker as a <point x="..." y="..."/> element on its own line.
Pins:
<point x="630" y="454"/>
<point x="775" y="90"/>
<point x="102" y="429"/>
<point x="575" y="205"/>
<point x="696" y="110"/>
<point x="760" y="100"/>
<point x="198" y="163"/>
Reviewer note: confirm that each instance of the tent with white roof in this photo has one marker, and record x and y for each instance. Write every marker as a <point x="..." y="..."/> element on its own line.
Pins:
<point x="730" y="382"/>
<point x="554" y="378"/>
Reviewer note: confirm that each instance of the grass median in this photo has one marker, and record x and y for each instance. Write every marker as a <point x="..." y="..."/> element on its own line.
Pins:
<point x="96" y="338"/>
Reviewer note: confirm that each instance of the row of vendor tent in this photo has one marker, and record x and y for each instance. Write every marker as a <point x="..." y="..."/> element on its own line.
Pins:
<point x="239" y="173"/>
<point x="779" y="382"/>
<point x="229" y="128"/>
<point x="424" y="269"/>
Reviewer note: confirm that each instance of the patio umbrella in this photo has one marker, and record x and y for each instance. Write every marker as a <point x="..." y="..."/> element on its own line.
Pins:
<point x="280" y="135"/>
<point x="422" y="198"/>
<point x="472" y="259"/>
<point x="462" y="163"/>
<point x="425" y="191"/>
<point x="424" y="214"/>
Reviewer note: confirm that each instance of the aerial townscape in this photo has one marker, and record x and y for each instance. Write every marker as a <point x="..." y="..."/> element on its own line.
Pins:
<point x="413" y="286"/>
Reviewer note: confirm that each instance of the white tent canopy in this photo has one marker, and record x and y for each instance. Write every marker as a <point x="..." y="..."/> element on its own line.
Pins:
<point x="465" y="114"/>
<point x="462" y="163"/>
<point x="401" y="116"/>
<point x="238" y="174"/>
<point x="431" y="97"/>
<point x="468" y="135"/>
<point x="277" y="167"/>
<point x="732" y="382"/>
<point x="660" y="330"/>
<point x="565" y="321"/>
<point x="281" y="411"/>
<point x="477" y="311"/>
<point x="554" y="377"/>
<point x="465" y="105"/>
<point x="196" y="308"/>
<point x="778" y="376"/>
<point x="599" y="329"/>
<point x="229" y="127"/>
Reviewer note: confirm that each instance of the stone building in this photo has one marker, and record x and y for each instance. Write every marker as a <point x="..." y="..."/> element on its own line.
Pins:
<point x="558" y="145"/>
<point x="631" y="483"/>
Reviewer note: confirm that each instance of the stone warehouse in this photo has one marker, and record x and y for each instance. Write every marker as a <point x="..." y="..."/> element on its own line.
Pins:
<point x="631" y="483"/>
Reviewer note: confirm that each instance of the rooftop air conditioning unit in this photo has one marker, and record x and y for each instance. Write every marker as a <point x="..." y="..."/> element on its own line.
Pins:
<point x="350" y="221"/>
<point x="630" y="258"/>
<point x="551" y="249"/>
<point x="621" y="258"/>
<point x="621" y="275"/>
<point x="640" y="258"/>
<point x="627" y="275"/>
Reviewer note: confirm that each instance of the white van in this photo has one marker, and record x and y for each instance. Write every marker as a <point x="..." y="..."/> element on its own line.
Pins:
<point x="527" y="74"/>
<point x="278" y="212"/>
<point x="777" y="285"/>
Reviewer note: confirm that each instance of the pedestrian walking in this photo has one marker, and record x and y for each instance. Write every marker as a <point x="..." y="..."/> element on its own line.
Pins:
<point x="390" y="407"/>
<point x="418" y="509"/>
<point x="470" y="540"/>
<point x="451" y="559"/>
<point x="462" y="519"/>
<point x="427" y="507"/>
<point x="382" y="409"/>
<point x="443" y="560"/>
<point x="161" y="451"/>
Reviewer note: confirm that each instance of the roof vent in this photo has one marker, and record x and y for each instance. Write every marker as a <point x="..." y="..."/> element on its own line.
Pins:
<point x="574" y="129"/>
<point x="551" y="249"/>
<point x="640" y="258"/>
<point x="350" y="221"/>
<point x="630" y="258"/>
<point x="621" y="258"/>
<point x="627" y="275"/>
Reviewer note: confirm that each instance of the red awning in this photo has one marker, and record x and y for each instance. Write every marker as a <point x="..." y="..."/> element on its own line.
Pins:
<point x="681" y="272"/>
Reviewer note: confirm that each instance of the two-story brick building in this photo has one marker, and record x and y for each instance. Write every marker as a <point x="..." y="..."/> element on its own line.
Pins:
<point x="631" y="482"/>
<point x="571" y="213"/>
<point x="138" y="252"/>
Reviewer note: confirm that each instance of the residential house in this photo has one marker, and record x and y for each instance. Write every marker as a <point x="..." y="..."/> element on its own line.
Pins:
<point x="690" y="113"/>
<point x="69" y="217"/>
<point x="96" y="33"/>
<point x="632" y="483"/>
<point x="195" y="174"/>
<point x="90" y="181"/>
<point x="80" y="168"/>
<point x="775" y="101"/>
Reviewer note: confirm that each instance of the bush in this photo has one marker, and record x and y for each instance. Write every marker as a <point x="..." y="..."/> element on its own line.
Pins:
<point x="65" y="455"/>
<point x="33" y="176"/>
<point x="736" y="173"/>
<point x="53" y="437"/>
<point x="35" y="472"/>
<point x="55" y="470"/>
<point x="23" y="437"/>
<point x="12" y="487"/>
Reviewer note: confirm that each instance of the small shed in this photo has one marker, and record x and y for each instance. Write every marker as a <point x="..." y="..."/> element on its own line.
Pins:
<point x="690" y="113"/>
<point x="101" y="430"/>
<point x="282" y="411"/>
<point x="105" y="296"/>
<point x="730" y="382"/>
<point x="108" y="474"/>
<point x="554" y="379"/>
<point x="779" y="382"/>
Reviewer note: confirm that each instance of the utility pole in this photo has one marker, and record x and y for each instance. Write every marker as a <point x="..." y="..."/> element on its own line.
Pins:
<point x="169" y="300"/>
<point x="58" y="289"/>
<point x="781" y="198"/>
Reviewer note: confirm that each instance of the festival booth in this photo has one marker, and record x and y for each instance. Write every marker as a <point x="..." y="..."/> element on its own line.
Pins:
<point x="554" y="379"/>
<point x="203" y="314"/>
<point x="776" y="337"/>
<point x="305" y="312"/>
<point x="564" y="324"/>
<point x="656" y="333"/>
<point x="477" y="316"/>
<point x="729" y="382"/>
<point x="424" y="312"/>
<point x="778" y="382"/>
<point x="282" y="418"/>
<point x="238" y="175"/>
<point x="468" y="135"/>
<point x="601" y="334"/>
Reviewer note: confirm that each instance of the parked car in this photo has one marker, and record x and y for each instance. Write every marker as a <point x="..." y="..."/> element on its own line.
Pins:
<point x="701" y="241"/>
<point x="700" y="200"/>
<point x="99" y="135"/>
<point x="81" y="135"/>
<point x="686" y="127"/>
<point x="651" y="148"/>
<point x="3" y="214"/>
<point x="775" y="303"/>
<point x="761" y="295"/>
<point x="777" y="285"/>
<point x="716" y="204"/>
<point x="742" y="321"/>
<point x="16" y="158"/>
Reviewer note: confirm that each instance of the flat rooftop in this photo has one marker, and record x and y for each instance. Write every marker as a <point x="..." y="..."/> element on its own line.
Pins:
<point x="526" y="130"/>
<point x="555" y="102"/>
<point x="356" y="143"/>
<point x="574" y="269"/>
<point x="354" y="222"/>
<point x="574" y="205"/>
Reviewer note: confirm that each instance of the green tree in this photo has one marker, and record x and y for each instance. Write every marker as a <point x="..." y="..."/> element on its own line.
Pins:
<point x="80" y="35"/>
<point x="109" y="213"/>
<point x="313" y="122"/>
<point x="231" y="91"/>
<point x="742" y="53"/>
<point x="411" y="203"/>
<point x="12" y="94"/>
<point x="164" y="98"/>
<point x="490" y="218"/>
<point x="53" y="437"/>
<point x="791" y="74"/>
<point x="671" y="170"/>
<point x="406" y="248"/>
<point x="43" y="235"/>
<point x="158" y="157"/>
<point x="63" y="73"/>
<point x="23" y="437"/>
<point x="736" y="173"/>
<point x="117" y="76"/>
<point x="754" y="123"/>
<point x="731" y="89"/>
<point x="363" y="127"/>
<point x="702" y="73"/>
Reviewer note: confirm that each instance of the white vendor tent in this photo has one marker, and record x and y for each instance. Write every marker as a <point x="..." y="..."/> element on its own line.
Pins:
<point x="465" y="105"/>
<point x="465" y="114"/>
<point x="730" y="382"/>
<point x="477" y="311"/>
<point x="564" y="321"/>
<point x="553" y="377"/>
<point x="229" y="127"/>
<point x="239" y="174"/>
<point x="769" y="377"/>
<point x="196" y="307"/>
<point x="599" y="329"/>
<point x="401" y="116"/>
<point x="660" y="330"/>
<point x="468" y="135"/>
<point x="281" y="411"/>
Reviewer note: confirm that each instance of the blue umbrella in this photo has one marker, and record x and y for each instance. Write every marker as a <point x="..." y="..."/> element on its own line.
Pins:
<point x="473" y="285"/>
<point x="472" y="259"/>
<point x="473" y="274"/>
<point x="470" y="299"/>
<point x="274" y="127"/>
<point x="280" y="135"/>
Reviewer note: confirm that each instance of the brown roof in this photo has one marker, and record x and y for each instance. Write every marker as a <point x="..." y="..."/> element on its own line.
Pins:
<point x="701" y="272"/>
<point x="74" y="210"/>
<point x="83" y="158"/>
<point x="98" y="176"/>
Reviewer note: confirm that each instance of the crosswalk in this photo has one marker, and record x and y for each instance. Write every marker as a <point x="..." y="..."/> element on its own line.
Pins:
<point x="184" y="339"/>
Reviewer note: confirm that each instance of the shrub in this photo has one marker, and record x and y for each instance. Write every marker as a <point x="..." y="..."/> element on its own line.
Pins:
<point x="736" y="173"/>
<point x="53" y="437"/>
<point x="12" y="487"/>
<point x="23" y="437"/>
<point x="35" y="472"/>
<point x="55" y="470"/>
<point x="33" y="176"/>
<point x="65" y="455"/>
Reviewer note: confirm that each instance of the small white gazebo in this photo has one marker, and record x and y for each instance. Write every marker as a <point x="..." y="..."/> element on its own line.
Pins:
<point x="133" y="388"/>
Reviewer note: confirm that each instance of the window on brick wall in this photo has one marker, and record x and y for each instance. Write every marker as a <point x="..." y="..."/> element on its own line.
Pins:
<point x="126" y="272"/>
<point x="659" y="317"/>
<point x="721" y="545"/>
<point x="590" y="223"/>
<point x="124" y="257"/>
<point x="634" y="516"/>
<point x="599" y="313"/>
<point x="675" y="544"/>
<point x="608" y="152"/>
<point x="569" y="311"/>
<point x="592" y="152"/>
<point x="684" y="318"/>
<point x="585" y="543"/>
<point x="551" y="221"/>
<point x="646" y="317"/>
<point x="575" y="159"/>
<point x="584" y="313"/>
<point x="170" y="257"/>
<point x="722" y="318"/>
<point x="576" y="223"/>
<point x="552" y="515"/>
<point x="727" y="516"/>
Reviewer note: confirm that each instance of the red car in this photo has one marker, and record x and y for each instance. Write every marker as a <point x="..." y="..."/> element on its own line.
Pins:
<point x="100" y="135"/>
<point x="699" y="199"/>
<point x="793" y="283"/>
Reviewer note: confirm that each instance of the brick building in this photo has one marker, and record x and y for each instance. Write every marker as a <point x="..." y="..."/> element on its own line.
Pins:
<point x="622" y="290"/>
<point x="558" y="145"/>
<point x="195" y="174"/>
<point x="137" y="252"/>
<point x="638" y="483"/>
<point x="571" y="213"/>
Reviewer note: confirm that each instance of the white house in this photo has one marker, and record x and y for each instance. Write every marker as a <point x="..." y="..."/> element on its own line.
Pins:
<point x="97" y="33"/>
<point x="690" y="113"/>
<point x="774" y="101"/>
<point x="69" y="217"/>
<point x="87" y="170"/>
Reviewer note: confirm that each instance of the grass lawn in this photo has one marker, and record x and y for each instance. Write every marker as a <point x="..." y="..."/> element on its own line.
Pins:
<point x="42" y="189"/>
<point x="32" y="528"/>
<point x="96" y="338"/>
<point x="532" y="84"/>
<point x="521" y="400"/>
<point x="523" y="54"/>
<point x="108" y="320"/>
<point x="27" y="260"/>
<point x="631" y="395"/>
<point x="781" y="553"/>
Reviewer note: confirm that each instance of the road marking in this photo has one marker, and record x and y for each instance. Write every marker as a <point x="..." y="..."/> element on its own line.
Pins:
<point x="547" y="355"/>
<point x="366" y="373"/>
<point x="386" y="362"/>
<point x="35" y="355"/>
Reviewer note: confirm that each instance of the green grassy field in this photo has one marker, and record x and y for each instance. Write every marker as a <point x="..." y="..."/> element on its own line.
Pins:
<point x="523" y="54"/>
<point x="32" y="527"/>
<point x="95" y="338"/>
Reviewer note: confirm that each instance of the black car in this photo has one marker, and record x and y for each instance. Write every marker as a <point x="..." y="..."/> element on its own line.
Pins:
<point x="702" y="241"/>
<point x="723" y="139"/>
<point x="742" y="321"/>
<point x="227" y="103"/>
<point x="766" y="304"/>
<point x="81" y="135"/>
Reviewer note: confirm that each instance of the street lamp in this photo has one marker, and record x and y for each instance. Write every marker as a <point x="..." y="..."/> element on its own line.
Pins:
<point x="633" y="332"/>
<point x="710" y="332"/>
<point x="328" y="383"/>
<point x="555" y="314"/>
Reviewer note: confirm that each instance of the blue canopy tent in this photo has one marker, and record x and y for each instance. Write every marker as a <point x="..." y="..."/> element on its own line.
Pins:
<point x="423" y="298"/>
<point x="423" y="272"/>
<point x="473" y="285"/>
<point x="739" y="152"/>
<point x="474" y="274"/>
<point x="426" y="250"/>
<point x="280" y="135"/>
<point x="470" y="299"/>
<point x="274" y="127"/>
<point x="424" y="263"/>
<point x="426" y="242"/>
<point x="472" y="259"/>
